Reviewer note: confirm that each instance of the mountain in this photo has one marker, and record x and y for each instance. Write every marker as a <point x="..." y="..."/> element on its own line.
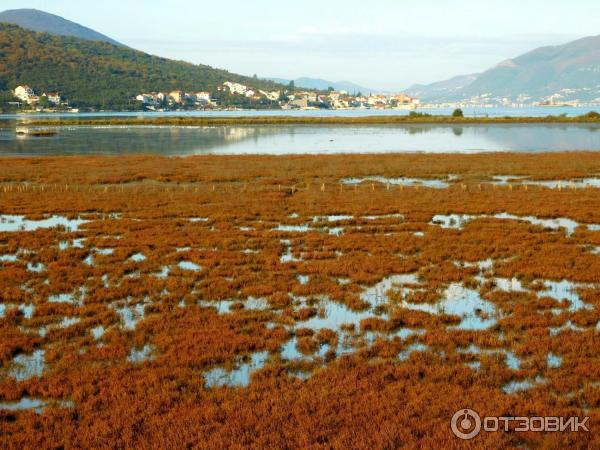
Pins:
<point x="441" y="88"/>
<point x="323" y="85"/>
<point x="565" y="73"/>
<point x="43" y="22"/>
<point x="99" y="74"/>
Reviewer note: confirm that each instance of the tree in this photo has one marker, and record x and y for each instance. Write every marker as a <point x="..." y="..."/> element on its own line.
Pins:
<point x="292" y="86"/>
<point x="331" y="89"/>
<point x="458" y="113"/>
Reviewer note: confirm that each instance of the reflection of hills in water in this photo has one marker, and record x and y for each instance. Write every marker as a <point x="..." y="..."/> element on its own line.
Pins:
<point x="295" y="139"/>
<point x="126" y="140"/>
<point x="532" y="137"/>
<point x="519" y="137"/>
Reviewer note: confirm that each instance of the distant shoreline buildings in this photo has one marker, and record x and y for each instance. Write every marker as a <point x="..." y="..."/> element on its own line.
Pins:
<point x="284" y="99"/>
<point x="233" y="95"/>
<point x="26" y="95"/>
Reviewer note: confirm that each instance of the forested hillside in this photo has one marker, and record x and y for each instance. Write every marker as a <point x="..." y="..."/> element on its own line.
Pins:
<point x="96" y="74"/>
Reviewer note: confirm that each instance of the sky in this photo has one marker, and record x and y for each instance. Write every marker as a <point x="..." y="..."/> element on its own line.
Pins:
<point x="384" y="45"/>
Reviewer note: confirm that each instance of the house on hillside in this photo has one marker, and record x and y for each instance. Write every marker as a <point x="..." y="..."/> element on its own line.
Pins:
<point x="202" y="97"/>
<point x="146" y="99"/>
<point x="26" y="95"/>
<point x="176" y="96"/>
<point x="236" y="88"/>
<point x="53" y="97"/>
<point x="273" y="95"/>
<point x="403" y="99"/>
<point x="300" y="102"/>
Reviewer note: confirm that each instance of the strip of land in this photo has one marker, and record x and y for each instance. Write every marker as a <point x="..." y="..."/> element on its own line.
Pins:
<point x="415" y="118"/>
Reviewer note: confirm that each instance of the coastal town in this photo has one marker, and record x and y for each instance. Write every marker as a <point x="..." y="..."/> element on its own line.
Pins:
<point x="231" y="95"/>
<point x="284" y="99"/>
<point x="235" y="96"/>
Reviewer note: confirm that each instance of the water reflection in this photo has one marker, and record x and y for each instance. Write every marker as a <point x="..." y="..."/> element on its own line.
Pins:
<point x="25" y="367"/>
<point x="295" y="139"/>
<point x="238" y="377"/>
<point x="34" y="404"/>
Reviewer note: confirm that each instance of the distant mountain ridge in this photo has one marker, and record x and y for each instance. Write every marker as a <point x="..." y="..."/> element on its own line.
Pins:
<point x="560" y="73"/>
<point x="323" y="85"/>
<point x="441" y="88"/>
<point x="43" y="22"/>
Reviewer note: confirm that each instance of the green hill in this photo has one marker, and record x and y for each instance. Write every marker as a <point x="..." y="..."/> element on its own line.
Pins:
<point x="98" y="74"/>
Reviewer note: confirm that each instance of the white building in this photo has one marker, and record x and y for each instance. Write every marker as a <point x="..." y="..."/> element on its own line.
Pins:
<point x="26" y="95"/>
<point x="202" y="97"/>
<point x="273" y="95"/>
<point x="53" y="97"/>
<point x="146" y="99"/>
<point x="235" y="88"/>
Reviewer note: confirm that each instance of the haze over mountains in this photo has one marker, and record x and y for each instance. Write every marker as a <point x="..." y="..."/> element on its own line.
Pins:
<point x="323" y="85"/>
<point x="43" y="22"/>
<point x="557" y="74"/>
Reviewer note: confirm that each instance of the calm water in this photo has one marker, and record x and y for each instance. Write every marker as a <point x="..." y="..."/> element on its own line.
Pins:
<point x="471" y="112"/>
<point x="296" y="139"/>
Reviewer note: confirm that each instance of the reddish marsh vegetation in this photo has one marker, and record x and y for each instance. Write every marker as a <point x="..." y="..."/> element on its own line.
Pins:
<point x="260" y="302"/>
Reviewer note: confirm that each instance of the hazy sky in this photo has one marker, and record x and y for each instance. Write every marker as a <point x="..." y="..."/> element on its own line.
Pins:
<point x="383" y="44"/>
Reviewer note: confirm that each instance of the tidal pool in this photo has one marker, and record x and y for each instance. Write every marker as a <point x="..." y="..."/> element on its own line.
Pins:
<point x="34" y="404"/>
<point x="224" y="306"/>
<point x="290" y="351"/>
<point x="137" y="257"/>
<point x="514" y="387"/>
<point x="238" y="377"/>
<point x="8" y="258"/>
<point x="130" y="316"/>
<point x="565" y="290"/>
<point x="333" y="315"/>
<point x="454" y="221"/>
<point x="457" y="300"/>
<point x="24" y="367"/>
<point x="139" y="355"/>
<point x="550" y="184"/>
<point x="554" y="361"/>
<point x="14" y="223"/>
<point x="98" y="332"/>
<point x="404" y="355"/>
<point x="188" y="265"/>
<point x="458" y="221"/>
<point x="402" y="181"/>
<point x="512" y="361"/>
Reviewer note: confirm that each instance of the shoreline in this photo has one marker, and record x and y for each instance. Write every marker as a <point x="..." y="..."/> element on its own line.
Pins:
<point x="335" y="120"/>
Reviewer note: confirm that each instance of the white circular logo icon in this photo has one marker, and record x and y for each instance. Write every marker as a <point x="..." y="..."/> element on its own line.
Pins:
<point x="466" y="424"/>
